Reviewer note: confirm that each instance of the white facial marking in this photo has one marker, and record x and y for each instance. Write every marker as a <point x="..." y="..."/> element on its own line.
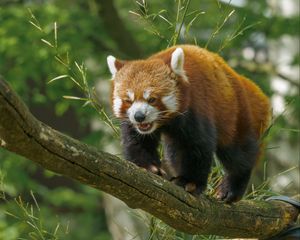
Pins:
<point x="130" y="94"/>
<point x="117" y="104"/>
<point x="111" y="60"/>
<point x="150" y="112"/>
<point x="177" y="62"/>
<point x="146" y="94"/>
<point x="170" y="102"/>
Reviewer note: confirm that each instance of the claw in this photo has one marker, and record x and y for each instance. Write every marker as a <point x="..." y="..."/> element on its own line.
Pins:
<point x="153" y="169"/>
<point x="157" y="170"/>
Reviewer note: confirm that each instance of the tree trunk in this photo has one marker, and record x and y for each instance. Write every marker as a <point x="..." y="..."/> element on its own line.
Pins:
<point x="23" y="134"/>
<point x="117" y="30"/>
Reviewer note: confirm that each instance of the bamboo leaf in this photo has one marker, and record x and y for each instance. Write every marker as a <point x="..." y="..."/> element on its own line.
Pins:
<point x="76" y="82"/>
<point x="76" y="98"/>
<point x="36" y="26"/>
<point x="192" y="21"/>
<point x="57" y="78"/>
<point x="55" y="34"/>
<point x="47" y="42"/>
<point x="135" y="13"/>
<point x="86" y="103"/>
<point x="166" y="20"/>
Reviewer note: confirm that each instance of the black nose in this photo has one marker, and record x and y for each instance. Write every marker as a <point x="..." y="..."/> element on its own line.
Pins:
<point x="139" y="116"/>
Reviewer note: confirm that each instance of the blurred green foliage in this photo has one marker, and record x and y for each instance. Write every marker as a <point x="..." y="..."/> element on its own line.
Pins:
<point x="84" y="35"/>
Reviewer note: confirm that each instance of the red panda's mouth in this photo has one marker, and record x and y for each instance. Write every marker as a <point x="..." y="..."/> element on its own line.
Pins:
<point x="144" y="127"/>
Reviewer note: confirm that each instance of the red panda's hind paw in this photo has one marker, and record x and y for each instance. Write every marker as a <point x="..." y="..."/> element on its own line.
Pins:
<point x="194" y="189"/>
<point x="225" y="192"/>
<point x="190" y="187"/>
<point x="179" y="181"/>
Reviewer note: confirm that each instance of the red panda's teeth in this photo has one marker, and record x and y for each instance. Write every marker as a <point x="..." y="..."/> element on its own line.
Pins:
<point x="144" y="126"/>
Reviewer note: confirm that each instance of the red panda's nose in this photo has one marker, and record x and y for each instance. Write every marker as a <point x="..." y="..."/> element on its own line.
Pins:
<point x="139" y="116"/>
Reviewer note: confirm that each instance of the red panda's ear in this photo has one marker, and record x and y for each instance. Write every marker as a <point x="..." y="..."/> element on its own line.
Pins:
<point x="177" y="60"/>
<point x="177" y="63"/>
<point x="114" y="65"/>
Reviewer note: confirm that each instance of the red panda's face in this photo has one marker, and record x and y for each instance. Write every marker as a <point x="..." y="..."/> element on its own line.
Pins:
<point x="146" y="93"/>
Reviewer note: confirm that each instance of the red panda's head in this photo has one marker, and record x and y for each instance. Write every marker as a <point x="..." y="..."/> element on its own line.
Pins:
<point x="147" y="92"/>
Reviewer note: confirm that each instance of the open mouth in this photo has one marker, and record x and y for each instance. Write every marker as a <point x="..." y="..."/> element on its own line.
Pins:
<point x="144" y="127"/>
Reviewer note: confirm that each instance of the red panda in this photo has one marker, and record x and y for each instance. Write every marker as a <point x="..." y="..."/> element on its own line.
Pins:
<point x="192" y="101"/>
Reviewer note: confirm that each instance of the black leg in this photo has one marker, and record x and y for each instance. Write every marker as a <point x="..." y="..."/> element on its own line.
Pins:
<point x="195" y="163"/>
<point x="141" y="149"/>
<point x="189" y="143"/>
<point x="238" y="161"/>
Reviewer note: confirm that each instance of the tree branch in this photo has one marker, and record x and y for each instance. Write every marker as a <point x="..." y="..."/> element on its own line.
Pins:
<point x="116" y="28"/>
<point x="23" y="134"/>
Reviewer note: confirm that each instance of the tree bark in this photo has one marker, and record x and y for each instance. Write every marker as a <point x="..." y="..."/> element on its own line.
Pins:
<point x="22" y="133"/>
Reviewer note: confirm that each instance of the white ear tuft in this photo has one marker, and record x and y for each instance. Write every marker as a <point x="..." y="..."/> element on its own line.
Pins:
<point x="111" y="62"/>
<point x="177" y="61"/>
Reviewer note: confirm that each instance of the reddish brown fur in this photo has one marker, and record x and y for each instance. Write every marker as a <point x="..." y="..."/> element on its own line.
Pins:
<point x="219" y="112"/>
<point x="232" y="102"/>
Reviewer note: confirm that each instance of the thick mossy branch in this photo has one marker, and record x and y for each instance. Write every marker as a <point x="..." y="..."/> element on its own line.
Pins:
<point x="23" y="134"/>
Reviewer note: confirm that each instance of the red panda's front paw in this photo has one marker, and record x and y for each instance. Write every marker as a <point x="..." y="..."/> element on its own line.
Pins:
<point x="156" y="170"/>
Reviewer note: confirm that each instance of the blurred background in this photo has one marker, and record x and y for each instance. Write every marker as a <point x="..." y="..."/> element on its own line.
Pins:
<point x="259" y="39"/>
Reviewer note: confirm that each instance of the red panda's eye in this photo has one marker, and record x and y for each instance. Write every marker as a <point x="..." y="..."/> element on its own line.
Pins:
<point x="151" y="100"/>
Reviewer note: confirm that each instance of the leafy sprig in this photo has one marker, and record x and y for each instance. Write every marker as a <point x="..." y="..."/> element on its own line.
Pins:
<point x="75" y="72"/>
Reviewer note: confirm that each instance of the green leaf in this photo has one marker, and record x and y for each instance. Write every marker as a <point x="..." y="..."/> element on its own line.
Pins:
<point x="76" y="98"/>
<point x="47" y="42"/>
<point x="58" y="77"/>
